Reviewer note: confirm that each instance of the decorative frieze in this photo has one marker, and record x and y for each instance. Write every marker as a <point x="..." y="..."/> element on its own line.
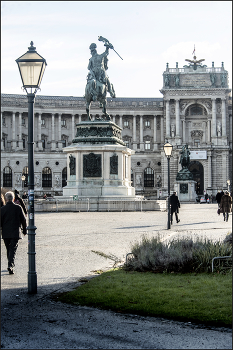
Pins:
<point x="98" y="132"/>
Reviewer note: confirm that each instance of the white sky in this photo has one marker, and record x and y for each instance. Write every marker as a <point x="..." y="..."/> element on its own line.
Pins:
<point x="146" y="34"/>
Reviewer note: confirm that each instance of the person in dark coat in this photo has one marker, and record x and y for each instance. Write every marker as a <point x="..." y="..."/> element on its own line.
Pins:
<point x="19" y="201"/>
<point x="12" y="218"/>
<point x="219" y="197"/>
<point x="175" y="205"/>
<point x="225" y="205"/>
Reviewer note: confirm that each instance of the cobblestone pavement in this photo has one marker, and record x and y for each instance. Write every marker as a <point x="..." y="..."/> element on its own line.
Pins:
<point x="65" y="251"/>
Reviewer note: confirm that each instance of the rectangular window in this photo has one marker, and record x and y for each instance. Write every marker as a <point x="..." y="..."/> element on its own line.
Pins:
<point x="63" y="122"/>
<point x="23" y="121"/>
<point x="63" y="143"/>
<point x="126" y="143"/>
<point x="24" y="143"/>
<point x="126" y="124"/>
<point x="147" y="123"/>
<point x="197" y="143"/>
<point x="147" y="144"/>
<point x="42" y="122"/>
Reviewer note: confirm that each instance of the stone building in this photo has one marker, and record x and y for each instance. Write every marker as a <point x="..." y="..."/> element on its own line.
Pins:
<point x="196" y="109"/>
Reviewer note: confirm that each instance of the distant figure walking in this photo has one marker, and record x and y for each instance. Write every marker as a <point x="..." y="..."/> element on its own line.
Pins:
<point x="12" y="218"/>
<point x="219" y="197"/>
<point x="20" y="202"/>
<point x="175" y="205"/>
<point x="225" y="205"/>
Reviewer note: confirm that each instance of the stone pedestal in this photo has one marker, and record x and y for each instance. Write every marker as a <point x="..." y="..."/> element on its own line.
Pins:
<point x="186" y="190"/>
<point x="98" y="163"/>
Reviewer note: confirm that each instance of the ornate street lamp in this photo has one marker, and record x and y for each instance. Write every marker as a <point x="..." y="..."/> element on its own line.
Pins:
<point x="31" y="67"/>
<point x="168" y="152"/>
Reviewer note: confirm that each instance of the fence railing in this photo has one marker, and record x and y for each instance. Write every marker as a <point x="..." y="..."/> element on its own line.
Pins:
<point x="90" y="204"/>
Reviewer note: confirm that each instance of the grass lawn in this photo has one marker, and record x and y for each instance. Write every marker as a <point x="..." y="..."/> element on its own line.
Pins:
<point x="204" y="298"/>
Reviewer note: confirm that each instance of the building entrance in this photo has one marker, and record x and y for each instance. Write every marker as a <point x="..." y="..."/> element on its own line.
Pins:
<point x="196" y="169"/>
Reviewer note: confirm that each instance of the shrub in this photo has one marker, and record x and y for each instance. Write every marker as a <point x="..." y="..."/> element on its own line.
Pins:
<point x="179" y="255"/>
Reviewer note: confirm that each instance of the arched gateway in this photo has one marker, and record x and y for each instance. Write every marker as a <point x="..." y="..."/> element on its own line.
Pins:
<point x="196" y="168"/>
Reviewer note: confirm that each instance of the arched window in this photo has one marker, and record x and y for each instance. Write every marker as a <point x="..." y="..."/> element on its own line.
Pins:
<point x="25" y="173"/>
<point x="196" y="110"/>
<point x="148" y="177"/>
<point x="46" y="177"/>
<point x="7" y="177"/>
<point x="64" y="177"/>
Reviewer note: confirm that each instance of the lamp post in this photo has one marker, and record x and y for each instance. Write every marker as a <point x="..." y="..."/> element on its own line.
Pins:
<point x="168" y="152"/>
<point x="31" y="67"/>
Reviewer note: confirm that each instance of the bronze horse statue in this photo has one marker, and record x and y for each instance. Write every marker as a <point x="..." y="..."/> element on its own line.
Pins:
<point x="185" y="157"/>
<point x="97" y="91"/>
<point x="98" y="83"/>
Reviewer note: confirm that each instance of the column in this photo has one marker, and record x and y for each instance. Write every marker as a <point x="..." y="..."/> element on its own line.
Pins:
<point x="224" y="131"/>
<point x="213" y="117"/>
<point x="53" y="143"/>
<point x="2" y="145"/>
<point x="208" y="131"/>
<point x="183" y="127"/>
<point x="209" y="169"/>
<point x="230" y="129"/>
<point x="168" y="122"/>
<point x="114" y="119"/>
<point x="59" y="132"/>
<point x="204" y="132"/>
<point x="120" y="121"/>
<point x="13" y="140"/>
<point x="20" y="147"/>
<point x="162" y="128"/>
<point x="79" y="118"/>
<point x="72" y="127"/>
<point x="40" y="147"/>
<point x="141" y="134"/>
<point x="134" y="133"/>
<point x="177" y="118"/>
<point x="155" y="133"/>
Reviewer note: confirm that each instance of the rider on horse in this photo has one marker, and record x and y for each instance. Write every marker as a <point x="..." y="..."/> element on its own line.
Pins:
<point x="185" y="157"/>
<point x="98" y="66"/>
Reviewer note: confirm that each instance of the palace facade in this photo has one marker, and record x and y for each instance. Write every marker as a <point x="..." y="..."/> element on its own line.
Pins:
<point x="196" y="109"/>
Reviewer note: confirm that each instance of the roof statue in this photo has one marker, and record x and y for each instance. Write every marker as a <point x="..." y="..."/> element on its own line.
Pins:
<point x="194" y="63"/>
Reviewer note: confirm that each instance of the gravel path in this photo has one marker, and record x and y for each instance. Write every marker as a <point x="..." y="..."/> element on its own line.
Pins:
<point x="64" y="253"/>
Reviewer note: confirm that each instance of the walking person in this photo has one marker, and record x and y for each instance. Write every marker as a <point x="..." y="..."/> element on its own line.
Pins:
<point x="219" y="197"/>
<point x="225" y="205"/>
<point x="175" y="205"/>
<point x="12" y="218"/>
<point x="19" y="201"/>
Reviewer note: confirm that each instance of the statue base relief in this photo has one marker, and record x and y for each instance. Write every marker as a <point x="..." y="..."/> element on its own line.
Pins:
<point x="185" y="190"/>
<point x="102" y="163"/>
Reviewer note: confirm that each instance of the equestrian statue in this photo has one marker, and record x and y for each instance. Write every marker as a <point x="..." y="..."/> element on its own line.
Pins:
<point x="184" y="173"/>
<point x="98" y="83"/>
